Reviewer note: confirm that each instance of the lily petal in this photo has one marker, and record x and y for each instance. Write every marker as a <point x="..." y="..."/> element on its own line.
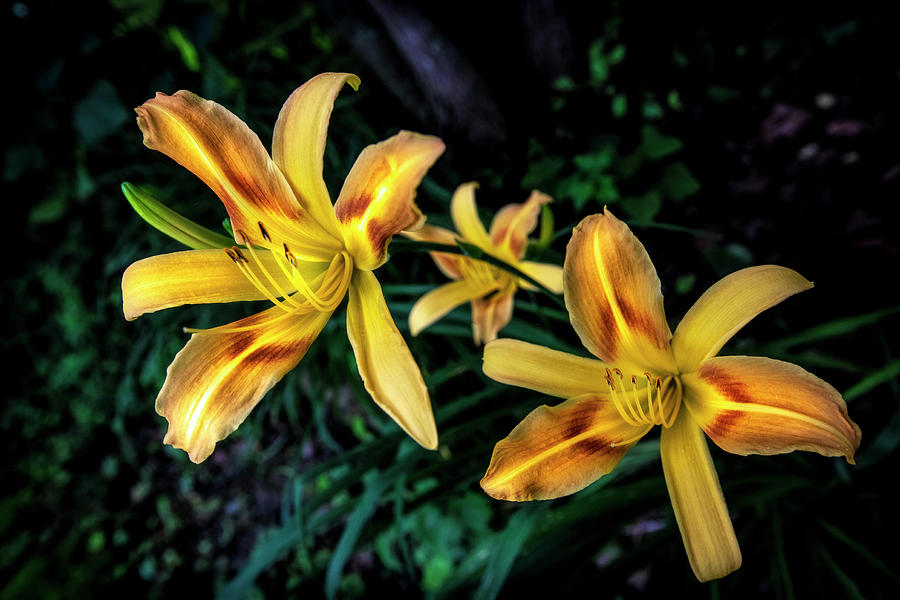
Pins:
<point x="697" y="499"/>
<point x="550" y="276"/>
<point x="197" y="277"/>
<point x="217" y="378"/>
<point x="729" y="305"/>
<point x="448" y="263"/>
<point x="541" y="369"/>
<point x="220" y="149"/>
<point x="491" y="314"/>
<point x="378" y="197"/>
<point x="464" y="212"/>
<point x="757" y="405"/>
<point x="439" y="301"/>
<point x="298" y="143"/>
<point x="385" y="363"/>
<point x="514" y="222"/>
<point x="557" y="451"/>
<point x="613" y="295"/>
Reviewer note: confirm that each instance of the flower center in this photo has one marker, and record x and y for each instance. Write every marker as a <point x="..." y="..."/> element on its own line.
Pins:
<point x="296" y="287"/>
<point x="485" y="275"/>
<point x="645" y="399"/>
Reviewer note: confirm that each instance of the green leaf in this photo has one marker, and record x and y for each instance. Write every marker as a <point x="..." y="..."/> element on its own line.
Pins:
<point x="656" y="145"/>
<point x="577" y="189"/>
<point x="678" y="183"/>
<point x="872" y="380"/>
<point x="598" y="63"/>
<point x="597" y="161"/>
<point x="542" y="171"/>
<point x="364" y="509"/>
<point x="643" y="207"/>
<point x="100" y="113"/>
<point x="836" y="328"/>
<point x="185" y="48"/>
<point x="619" y="106"/>
<point x="170" y="222"/>
<point x="507" y="548"/>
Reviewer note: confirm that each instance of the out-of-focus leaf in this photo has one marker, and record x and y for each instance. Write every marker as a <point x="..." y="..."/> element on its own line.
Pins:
<point x="507" y="549"/>
<point x="644" y="207"/>
<point x="655" y="145"/>
<point x="838" y="327"/>
<point x="100" y="113"/>
<point x="872" y="380"/>
<point x="678" y="183"/>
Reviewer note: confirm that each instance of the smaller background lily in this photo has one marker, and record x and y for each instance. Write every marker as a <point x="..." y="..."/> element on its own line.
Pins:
<point x="490" y="289"/>
<point x="645" y="377"/>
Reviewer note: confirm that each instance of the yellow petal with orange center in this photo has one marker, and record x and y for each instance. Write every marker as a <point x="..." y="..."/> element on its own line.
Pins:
<point x="220" y="149"/>
<point x="697" y="499"/>
<point x="378" y="197"/>
<point x="385" y="363"/>
<point x="439" y="301"/>
<point x="491" y="314"/>
<point x="514" y="222"/>
<point x="298" y="142"/>
<point x="613" y="296"/>
<point x="448" y="263"/>
<point x="757" y="405"/>
<point x="543" y="370"/>
<point x="196" y="277"/>
<point x="556" y="451"/>
<point x="217" y="378"/>
<point x="464" y="212"/>
<point x="729" y="305"/>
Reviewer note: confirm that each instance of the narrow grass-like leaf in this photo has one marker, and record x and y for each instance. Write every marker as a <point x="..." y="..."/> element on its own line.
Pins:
<point x="365" y="508"/>
<point x="861" y="550"/>
<point x="842" y="578"/>
<point x="838" y="327"/>
<point x="873" y="380"/>
<point x="784" y="572"/>
<point x="507" y="549"/>
<point x="883" y="445"/>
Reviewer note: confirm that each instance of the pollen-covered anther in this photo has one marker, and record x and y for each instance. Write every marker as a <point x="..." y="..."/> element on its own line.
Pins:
<point x="656" y="402"/>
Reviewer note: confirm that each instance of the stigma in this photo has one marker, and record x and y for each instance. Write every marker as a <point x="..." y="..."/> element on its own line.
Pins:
<point x="645" y="400"/>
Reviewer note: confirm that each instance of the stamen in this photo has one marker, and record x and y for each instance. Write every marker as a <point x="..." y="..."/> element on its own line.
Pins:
<point x="243" y="265"/>
<point x="617" y="401"/>
<point x="262" y="230"/>
<point x="663" y="399"/>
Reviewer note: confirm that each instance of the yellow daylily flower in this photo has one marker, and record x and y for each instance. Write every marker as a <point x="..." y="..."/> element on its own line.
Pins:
<point x="645" y="376"/>
<point x="293" y="248"/>
<point x="489" y="288"/>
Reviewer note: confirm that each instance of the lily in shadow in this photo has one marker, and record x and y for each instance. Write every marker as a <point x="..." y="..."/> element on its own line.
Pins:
<point x="292" y="247"/>
<point x="645" y="377"/>
<point x="489" y="288"/>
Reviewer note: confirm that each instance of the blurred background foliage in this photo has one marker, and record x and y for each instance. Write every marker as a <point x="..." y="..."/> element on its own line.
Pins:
<point x="725" y="139"/>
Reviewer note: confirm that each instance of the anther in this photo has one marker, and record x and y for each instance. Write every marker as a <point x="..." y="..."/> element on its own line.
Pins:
<point x="239" y="254"/>
<point x="231" y="255"/>
<point x="244" y="239"/>
<point x="263" y="231"/>
<point x="618" y="373"/>
<point x="658" y="383"/>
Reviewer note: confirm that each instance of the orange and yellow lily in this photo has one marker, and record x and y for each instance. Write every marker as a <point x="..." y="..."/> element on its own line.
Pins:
<point x="294" y="248"/>
<point x="490" y="289"/>
<point x="645" y="376"/>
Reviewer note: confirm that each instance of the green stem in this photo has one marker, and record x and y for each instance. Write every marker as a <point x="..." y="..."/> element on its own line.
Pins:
<point x="474" y="253"/>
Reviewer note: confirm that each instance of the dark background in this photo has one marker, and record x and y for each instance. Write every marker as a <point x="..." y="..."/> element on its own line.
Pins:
<point x="725" y="139"/>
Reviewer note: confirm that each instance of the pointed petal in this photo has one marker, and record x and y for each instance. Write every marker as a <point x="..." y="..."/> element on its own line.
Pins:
<point x="757" y="405"/>
<point x="439" y="301"/>
<point x="514" y="222"/>
<point x="465" y="217"/>
<point x="298" y="143"/>
<point x="613" y="295"/>
<point x="192" y="277"/>
<point x="220" y="149"/>
<point x="446" y="262"/>
<point x="697" y="500"/>
<point x="217" y="378"/>
<point x="174" y="225"/>
<point x="729" y="305"/>
<point x="385" y="363"/>
<point x="551" y="276"/>
<point x="557" y="451"/>
<point x="378" y="197"/>
<point x="491" y="314"/>
<point x="541" y="369"/>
